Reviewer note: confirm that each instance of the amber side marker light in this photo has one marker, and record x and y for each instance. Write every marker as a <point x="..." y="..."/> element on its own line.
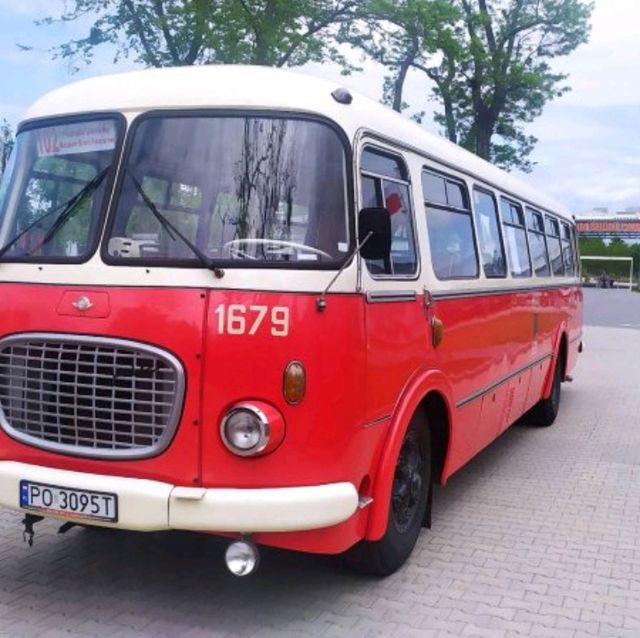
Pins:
<point x="437" y="331"/>
<point x="295" y="382"/>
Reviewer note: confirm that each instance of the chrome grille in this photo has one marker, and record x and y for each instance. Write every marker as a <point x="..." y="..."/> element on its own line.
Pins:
<point x="89" y="396"/>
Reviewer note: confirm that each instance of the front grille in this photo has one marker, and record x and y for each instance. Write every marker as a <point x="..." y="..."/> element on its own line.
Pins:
<point x="89" y="396"/>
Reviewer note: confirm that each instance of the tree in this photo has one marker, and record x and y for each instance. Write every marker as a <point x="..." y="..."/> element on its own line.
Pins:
<point x="158" y="33"/>
<point x="500" y="76"/>
<point x="400" y="35"/>
<point x="6" y="144"/>
<point x="492" y="73"/>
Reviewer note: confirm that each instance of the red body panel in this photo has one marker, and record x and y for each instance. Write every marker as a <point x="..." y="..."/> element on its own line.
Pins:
<point x="368" y="367"/>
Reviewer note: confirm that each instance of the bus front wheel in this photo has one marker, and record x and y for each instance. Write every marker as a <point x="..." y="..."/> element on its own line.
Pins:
<point x="410" y="497"/>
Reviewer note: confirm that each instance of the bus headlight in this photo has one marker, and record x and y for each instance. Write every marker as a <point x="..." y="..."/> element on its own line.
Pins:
<point x="250" y="429"/>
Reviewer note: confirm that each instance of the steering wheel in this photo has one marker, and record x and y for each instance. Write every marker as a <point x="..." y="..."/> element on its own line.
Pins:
<point x="234" y="249"/>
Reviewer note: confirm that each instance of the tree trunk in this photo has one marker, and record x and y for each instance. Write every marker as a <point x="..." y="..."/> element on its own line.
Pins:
<point x="398" y="85"/>
<point x="483" y="141"/>
<point x="450" y="120"/>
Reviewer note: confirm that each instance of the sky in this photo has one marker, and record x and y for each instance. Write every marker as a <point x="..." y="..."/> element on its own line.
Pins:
<point x="588" y="154"/>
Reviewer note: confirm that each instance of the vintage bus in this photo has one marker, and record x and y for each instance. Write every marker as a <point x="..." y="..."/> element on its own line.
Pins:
<point x="248" y="302"/>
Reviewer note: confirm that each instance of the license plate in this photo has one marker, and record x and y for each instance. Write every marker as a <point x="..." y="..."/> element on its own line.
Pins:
<point x="55" y="499"/>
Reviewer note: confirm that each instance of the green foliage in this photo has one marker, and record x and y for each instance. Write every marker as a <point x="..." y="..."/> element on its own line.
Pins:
<point x="6" y="144"/>
<point x="158" y="33"/>
<point x="489" y="60"/>
<point x="492" y="71"/>
<point x="500" y="76"/>
<point x="400" y="35"/>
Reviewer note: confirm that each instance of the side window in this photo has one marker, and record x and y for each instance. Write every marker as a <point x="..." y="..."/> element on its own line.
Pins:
<point x="515" y="238"/>
<point x="450" y="227"/>
<point x="385" y="184"/>
<point x="488" y="230"/>
<point x="555" y="246"/>
<point x="567" y="250"/>
<point x="537" y="243"/>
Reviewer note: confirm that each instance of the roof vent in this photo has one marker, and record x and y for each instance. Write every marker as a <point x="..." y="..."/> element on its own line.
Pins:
<point x="342" y="96"/>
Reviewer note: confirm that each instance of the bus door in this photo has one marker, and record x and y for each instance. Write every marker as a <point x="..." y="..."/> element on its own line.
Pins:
<point x="396" y="328"/>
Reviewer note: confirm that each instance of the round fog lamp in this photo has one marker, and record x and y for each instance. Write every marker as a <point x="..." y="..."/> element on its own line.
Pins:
<point x="241" y="558"/>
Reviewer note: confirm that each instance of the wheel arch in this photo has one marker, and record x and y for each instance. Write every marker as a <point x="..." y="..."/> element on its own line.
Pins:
<point x="560" y="349"/>
<point x="429" y="395"/>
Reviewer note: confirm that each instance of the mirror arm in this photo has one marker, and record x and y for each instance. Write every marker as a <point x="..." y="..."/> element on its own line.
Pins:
<point x="321" y="301"/>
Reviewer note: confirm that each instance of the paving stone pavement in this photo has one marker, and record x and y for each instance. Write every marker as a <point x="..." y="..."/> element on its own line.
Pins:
<point x="538" y="536"/>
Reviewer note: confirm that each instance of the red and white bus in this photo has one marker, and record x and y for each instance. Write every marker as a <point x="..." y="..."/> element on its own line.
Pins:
<point x="248" y="302"/>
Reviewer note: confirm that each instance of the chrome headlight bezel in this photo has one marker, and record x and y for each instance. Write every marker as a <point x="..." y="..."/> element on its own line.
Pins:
<point x="262" y="422"/>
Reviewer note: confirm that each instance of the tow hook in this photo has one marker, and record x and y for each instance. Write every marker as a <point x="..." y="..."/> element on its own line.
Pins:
<point x="29" y="521"/>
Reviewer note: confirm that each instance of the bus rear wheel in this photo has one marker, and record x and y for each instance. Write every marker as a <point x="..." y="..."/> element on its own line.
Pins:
<point x="544" y="413"/>
<point x="410" y="497"/>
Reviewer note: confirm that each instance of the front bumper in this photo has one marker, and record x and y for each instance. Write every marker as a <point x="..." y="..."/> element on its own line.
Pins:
<point x="145" y="505"/>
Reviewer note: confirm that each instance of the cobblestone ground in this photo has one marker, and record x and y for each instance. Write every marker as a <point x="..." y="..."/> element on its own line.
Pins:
<point x="538" y="536"/>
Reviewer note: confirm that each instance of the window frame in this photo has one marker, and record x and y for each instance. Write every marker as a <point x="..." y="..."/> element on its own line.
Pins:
<point x="516" y="203"/>
<point x="554" y="220"/>
<point x="487" y="191"/>
<point x="564" y="225"/>
<point x="458" y="211"/>
<point x="400" y="157"/>
<point x="538" y="233"/>
<point x="230" y="264"/>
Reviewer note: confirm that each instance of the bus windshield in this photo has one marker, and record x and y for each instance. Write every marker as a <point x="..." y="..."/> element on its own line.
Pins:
<point x="53" y="191"/>
<point x="245" y="191"/>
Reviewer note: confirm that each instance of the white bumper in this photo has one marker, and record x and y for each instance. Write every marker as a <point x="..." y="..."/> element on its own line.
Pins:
<point x="145" y="505"/>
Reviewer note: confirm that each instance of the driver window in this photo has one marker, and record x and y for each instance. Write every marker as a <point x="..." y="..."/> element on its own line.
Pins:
<point x="384" y="184"/>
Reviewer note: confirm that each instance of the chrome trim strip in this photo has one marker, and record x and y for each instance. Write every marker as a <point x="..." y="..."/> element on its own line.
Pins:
<point x="391" y="296"/>
<point x="395" y="180"/>
<point x="486" y="292"/>
<point x="499" y="382"/>
<point x="173" y="418"/>
<point x="377" y="421"/>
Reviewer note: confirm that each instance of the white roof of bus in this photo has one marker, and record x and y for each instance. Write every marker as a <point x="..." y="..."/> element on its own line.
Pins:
<point x="219" y="86"/>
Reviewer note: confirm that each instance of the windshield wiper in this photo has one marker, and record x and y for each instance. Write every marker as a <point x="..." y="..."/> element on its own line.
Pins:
<point x="172" y="231"/>
<point x="65" y="210"/>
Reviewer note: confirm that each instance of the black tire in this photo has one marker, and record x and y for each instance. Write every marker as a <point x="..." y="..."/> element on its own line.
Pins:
<point x="410" y="498"/>
<point x="544" y="413"/>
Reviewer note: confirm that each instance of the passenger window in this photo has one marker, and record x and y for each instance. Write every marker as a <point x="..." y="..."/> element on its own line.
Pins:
<point x="456" y="195"/>
<point x="538" y="243"/>
<point x="434" y="188"/>
<point x="382" y="164"/>
<point x="567" y="250"/>
<point x="488" y="230"/>
<point x="370" y="196"/>
<point x="515" y="238"/>
<point x="384" y="184"/>
<point x="450" y="226"/>
<point x="555" y="247"/>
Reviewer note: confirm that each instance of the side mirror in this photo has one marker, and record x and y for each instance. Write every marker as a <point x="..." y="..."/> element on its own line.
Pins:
<point x="377" y="221"/>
